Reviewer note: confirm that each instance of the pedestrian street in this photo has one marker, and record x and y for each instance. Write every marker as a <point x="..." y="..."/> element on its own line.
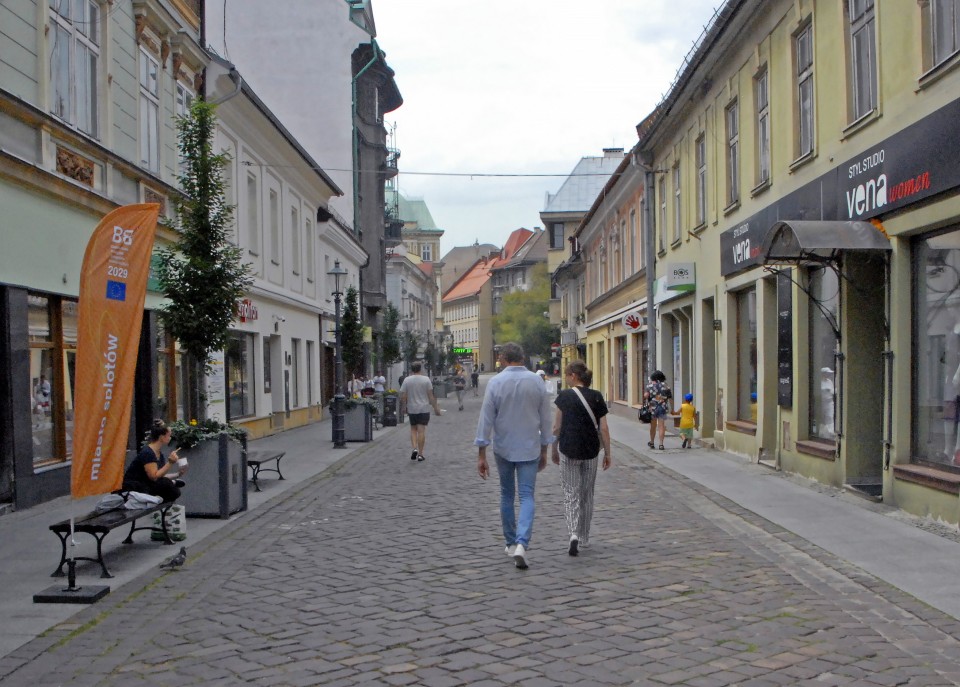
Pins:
<point x="387" y="571"/>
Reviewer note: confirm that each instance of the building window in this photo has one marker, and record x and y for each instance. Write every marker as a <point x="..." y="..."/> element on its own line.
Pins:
<point x="803" y="56"/>
<point x="641" y="351"/>
<point x="701" y="147"/>
<point x="945" y="25"/>
<point x="274" y="227"/>
<point x="238" y="359"/>
<point x="763" y="126"/>
<point x="182" y="108"/>
<point x="733" y="153"/>
<point x="149" y="111"/>
<point x="52" y="328"/>
<point x="253" y="213"/>
<point x="426" y="252"/>
<point x="747" y="355"/>
<point x="676" y="203"/>
<point x="936" y="348"/>
<point x="556" y="235"/>
<point x="622" y="374"/>
<point x="661" y="235"/>
<point x="625" y="249"/>
<point x="616" y="275"/>
<point x="863" y="57"/>
<point x="824" y="293"/>
<point x="635" y="239"/>
<point x="74" y="60"/>
<point x="309" y="251"/>
<point x="295" y="257"/>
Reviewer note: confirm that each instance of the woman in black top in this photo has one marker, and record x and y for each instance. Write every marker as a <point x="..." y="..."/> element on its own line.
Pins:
<point x="579" y="440"/>
<point x="147" y="473"/>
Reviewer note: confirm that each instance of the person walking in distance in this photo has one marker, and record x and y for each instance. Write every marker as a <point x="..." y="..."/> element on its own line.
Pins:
<point x="660" y="400"/>
<point x="516" y="412"/>
<point x="416" y="400"/>
<point x="459" y="384"/>
<point x="475" y="381"/>
<point x="581" y="429"/>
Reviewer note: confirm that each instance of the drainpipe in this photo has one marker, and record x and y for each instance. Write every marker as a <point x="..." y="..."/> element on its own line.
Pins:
<point x="238" y="84"/>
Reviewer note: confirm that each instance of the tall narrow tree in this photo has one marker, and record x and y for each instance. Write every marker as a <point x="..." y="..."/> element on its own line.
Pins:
<point x="202" y="274"/>
<point x="351" y="334"/>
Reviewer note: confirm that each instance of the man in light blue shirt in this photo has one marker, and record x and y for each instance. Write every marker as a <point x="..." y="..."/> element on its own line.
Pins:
<point x="516" y="412"/>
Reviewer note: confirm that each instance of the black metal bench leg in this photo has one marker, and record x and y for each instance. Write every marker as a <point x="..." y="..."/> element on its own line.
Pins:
<point x="256" y="473"/>
<point x="63" y="555"/>
<point x="278" y="469"/>
<point x="103" y="565"/>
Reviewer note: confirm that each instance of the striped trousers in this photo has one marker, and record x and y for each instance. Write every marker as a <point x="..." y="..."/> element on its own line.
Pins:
<point x="577" y="478"/>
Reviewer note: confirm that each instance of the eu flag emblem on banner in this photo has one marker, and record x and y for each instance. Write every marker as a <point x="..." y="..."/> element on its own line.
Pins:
<point x="116" y="291"/>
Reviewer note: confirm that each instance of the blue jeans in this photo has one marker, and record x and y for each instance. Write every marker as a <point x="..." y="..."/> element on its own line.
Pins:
<point x="517" y="478"/>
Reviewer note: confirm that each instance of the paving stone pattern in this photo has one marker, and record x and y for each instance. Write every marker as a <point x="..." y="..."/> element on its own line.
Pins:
<point x="385" y="571"/>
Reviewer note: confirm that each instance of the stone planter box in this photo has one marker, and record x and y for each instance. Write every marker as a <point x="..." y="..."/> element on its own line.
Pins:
<point x="358" y="423"/>
<point x="216" y="479"/>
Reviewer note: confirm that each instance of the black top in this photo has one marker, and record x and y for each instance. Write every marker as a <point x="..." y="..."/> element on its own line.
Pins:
<point x="136" y="473"/>
<point x="579" y="437"/>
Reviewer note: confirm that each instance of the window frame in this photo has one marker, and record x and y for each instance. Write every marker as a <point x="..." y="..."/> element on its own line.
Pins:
<point x="67" y="107"/>
<point x="804" y="89"/>
<point x="677" y="203"/>
<point x="700" y="148"/>
<point x="762" y="104"/>
<point x="149" y="112"/>
<point x="732" y="119"/>
<point x="861" y="19"/>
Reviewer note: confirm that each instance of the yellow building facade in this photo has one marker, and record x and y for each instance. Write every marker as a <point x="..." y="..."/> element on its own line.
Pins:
<point x="806" y="216"/>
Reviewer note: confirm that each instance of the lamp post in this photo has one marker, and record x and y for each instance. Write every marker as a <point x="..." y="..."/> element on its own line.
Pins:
<point x="338" y="424"/>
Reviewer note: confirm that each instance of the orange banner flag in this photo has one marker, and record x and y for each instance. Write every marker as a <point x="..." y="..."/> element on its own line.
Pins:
<point x="113" y="286"/>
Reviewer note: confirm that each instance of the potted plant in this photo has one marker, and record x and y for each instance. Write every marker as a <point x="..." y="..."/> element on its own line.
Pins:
<point x="358" y="418"/>
<point x="216" y="468"/>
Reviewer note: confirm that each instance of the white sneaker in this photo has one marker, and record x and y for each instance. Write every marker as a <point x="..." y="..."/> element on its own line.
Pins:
<point x="509" y="550"/>
<point x="520" y="557"/>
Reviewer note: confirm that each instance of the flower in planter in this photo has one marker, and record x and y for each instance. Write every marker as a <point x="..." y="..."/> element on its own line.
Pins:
<point x="392" y="392"/>
<point x="186" y="435"/>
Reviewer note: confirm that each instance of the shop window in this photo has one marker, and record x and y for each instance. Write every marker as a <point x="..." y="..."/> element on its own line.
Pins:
<point x="310" y="355"/>
<point x="620" y="348"/>
<point x="74" y="41"/>
<point x="52" y="323"/>
<point x="936" y="363"/>
<point x="862" y="57"/>
<point x="266" y="365"/>
<point x="824" y="291"/>
<point x="239" y="372"/>
<point x="746" y="303"/>
<point x="295" y="373"/>
<point x="168" y="404"/>
<point x="640" y="364"/>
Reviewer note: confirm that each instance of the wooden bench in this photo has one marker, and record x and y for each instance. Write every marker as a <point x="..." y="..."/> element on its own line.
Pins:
<point x="256" y="459"/>
<point x="100" y="524"/>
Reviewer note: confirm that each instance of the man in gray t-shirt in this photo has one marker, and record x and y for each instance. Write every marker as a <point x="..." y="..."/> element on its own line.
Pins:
<point x="416" y="400"/>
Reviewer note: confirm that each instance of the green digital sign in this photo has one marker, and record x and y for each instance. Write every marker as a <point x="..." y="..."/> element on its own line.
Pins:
<point x="463" y="351"/>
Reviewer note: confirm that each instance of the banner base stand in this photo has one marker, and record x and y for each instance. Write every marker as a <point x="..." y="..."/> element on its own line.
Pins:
<point x="58" y="594"/>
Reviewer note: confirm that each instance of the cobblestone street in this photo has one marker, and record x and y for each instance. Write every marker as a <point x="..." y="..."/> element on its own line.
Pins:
<point x="385" y="571"/>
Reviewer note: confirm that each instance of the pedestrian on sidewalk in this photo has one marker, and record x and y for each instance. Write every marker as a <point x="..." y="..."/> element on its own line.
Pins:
<point x="459" y="384"/>
<point x="147" y="474"/>
<point x="475" y="382"/>
<point x="580" y="426"/>
<point x="688" y="420"/>
<point x="516" y="411"/>
<point x="659" y="399"/>
<point x="416" y="400"/>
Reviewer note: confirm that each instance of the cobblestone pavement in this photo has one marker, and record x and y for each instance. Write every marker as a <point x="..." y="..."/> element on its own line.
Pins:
<point x="385" y="571"/>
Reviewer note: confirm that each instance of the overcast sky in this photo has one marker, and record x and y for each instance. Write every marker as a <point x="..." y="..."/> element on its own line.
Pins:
<point x="521" y="87"/>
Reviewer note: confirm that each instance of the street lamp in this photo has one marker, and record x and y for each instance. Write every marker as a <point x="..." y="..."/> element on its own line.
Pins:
<point x="338" y="424"/>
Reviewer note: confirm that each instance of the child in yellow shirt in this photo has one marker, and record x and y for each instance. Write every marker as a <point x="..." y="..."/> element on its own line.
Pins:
<point x="688" y="420"/>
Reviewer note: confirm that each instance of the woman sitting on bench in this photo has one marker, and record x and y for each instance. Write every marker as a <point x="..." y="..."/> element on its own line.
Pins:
<point x="147" y="473"/>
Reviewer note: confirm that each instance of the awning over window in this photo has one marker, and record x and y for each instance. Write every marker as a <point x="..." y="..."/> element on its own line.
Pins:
<point x="819" y="241"/>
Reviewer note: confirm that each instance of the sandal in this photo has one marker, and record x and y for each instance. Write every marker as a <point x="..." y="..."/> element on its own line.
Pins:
<point x="650" y="444"/>
<point x="661" y="447"/>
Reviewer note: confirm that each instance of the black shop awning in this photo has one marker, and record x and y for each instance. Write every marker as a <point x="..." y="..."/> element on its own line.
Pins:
<point x="819" y="241"/>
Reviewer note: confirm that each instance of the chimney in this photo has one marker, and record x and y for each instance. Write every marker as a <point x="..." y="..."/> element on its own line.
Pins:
<point x="613" y="152"/>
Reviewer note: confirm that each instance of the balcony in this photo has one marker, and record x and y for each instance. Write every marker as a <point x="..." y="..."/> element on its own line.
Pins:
<point x="390" y="165"/>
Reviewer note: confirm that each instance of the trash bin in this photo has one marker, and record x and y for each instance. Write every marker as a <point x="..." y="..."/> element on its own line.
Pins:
<point x="390" y="411"/>
<point x="176" y="518"/>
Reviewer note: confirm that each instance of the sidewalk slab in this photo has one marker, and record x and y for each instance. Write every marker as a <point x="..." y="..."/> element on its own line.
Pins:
<point x="882" y="540"/>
